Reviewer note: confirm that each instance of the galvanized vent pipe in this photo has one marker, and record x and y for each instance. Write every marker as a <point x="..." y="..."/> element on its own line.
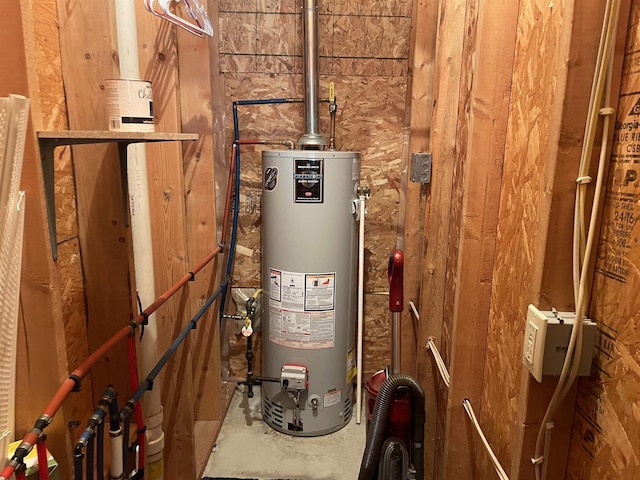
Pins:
<point x="312" y="139"/>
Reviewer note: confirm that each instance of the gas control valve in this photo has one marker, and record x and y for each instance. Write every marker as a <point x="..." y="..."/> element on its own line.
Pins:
<point x="294" y="377"/>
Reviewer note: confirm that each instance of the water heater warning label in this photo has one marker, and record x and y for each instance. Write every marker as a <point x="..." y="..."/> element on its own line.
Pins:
<point x="301" y="329"/>
<point x="302" y="309"/>
<point x="320" y="292"/>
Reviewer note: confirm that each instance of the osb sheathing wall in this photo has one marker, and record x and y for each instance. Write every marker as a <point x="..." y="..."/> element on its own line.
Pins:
<point x="554" y="58"/>
<point x="606" y="435"/>
<point x="529" y="167"/>
<point x="364" y="48"/>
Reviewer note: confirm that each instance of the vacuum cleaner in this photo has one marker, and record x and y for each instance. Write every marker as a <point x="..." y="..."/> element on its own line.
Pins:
<point x="396" y="414"/>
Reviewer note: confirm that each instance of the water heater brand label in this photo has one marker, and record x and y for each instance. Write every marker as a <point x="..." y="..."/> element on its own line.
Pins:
<point x="270" y="178"/>
<point x="308" y="177"/>
<point x="302" y="309"/>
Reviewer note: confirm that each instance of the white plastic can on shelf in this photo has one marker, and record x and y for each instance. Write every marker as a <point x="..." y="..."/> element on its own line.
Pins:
<point x="129" y="105"/>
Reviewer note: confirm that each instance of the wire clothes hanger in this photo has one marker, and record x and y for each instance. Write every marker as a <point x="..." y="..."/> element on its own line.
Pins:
<point x="199" y="25"/>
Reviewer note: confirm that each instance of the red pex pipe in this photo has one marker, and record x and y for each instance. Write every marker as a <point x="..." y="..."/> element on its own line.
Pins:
<point x="133" y="378"/>
<point x="43" y="464"/>
<point x="81" y="371"/>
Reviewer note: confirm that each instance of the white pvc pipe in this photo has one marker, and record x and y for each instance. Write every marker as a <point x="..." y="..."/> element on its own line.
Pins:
<point x="116" y="469"/>
<point x="360" y="309"/>
<point x="141" y="234"/>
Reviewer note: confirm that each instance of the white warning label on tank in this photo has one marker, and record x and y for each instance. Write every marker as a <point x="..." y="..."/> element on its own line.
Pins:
<point x="275" y="284"/>
<point x="309" y="330"/>
<point x="332" y="397"/>
<point x="292" y="285"/>
<point x="320" y="291"/>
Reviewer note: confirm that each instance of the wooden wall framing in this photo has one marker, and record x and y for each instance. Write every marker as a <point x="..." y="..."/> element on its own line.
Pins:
<point x="71" y="49"/>
<point x="482" y="241"/>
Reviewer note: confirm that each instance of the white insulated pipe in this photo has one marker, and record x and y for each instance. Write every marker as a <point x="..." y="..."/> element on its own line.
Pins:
<point x="116" y="469"/>
<point x="141" y="234"/>
<point x="362" y="206"/>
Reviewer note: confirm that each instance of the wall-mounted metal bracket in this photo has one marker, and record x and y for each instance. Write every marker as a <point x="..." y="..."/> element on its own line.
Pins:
<point x="421" y="167"/>
<point x="50" y="140"/>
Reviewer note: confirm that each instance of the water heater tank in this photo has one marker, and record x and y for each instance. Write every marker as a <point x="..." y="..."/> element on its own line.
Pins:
<point x="309" y="281"/>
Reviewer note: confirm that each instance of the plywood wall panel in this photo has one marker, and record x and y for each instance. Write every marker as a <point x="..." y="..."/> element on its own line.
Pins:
<point x="53" y="108"/>
<point x="533" y="169"/>
<point x="525" y="202"/>
<point x="606" y="431"/>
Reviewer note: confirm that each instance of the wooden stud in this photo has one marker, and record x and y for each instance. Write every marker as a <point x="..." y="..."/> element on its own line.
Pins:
<point x="419" y="104"/>
<point x="89" y="56"/>
<point x="487" y="62"/>
<point x="436" y="221"/>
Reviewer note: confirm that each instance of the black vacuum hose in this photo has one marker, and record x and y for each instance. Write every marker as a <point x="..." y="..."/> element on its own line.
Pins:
<point x="375" y="436"/>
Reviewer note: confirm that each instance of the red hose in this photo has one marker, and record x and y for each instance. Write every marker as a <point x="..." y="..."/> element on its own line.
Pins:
<point x="133" y="377"/>
<point x="43" y="463"/>
<point x="19" y="475"/>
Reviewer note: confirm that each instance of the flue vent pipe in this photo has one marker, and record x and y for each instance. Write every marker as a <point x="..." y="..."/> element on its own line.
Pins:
<point x="141" y="236"/>
<point x="311" y="139"/>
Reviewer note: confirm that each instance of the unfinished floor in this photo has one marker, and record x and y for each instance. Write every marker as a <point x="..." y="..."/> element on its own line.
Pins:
<point x="249" y="449"/>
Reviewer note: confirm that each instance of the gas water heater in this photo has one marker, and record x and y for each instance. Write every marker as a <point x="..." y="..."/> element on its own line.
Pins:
<point x="309" y="271"/>
<point x="309" y="281"/>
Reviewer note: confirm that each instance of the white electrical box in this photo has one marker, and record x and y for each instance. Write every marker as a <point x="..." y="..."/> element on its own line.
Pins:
<point x="546" y="339"/>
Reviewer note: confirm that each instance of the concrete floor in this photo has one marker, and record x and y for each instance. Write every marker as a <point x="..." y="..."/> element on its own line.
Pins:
<point x="248" y="448"/>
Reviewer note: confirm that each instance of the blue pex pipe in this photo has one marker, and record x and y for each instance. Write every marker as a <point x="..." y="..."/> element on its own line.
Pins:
<point x="147" y="384"/>
<point x="236" y="202"/>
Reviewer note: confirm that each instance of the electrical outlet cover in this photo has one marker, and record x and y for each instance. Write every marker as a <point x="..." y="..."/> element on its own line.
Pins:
<point x="534" y="341"/>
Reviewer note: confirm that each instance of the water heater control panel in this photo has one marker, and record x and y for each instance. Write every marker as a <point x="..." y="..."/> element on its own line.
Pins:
<point x="294" y="377"/>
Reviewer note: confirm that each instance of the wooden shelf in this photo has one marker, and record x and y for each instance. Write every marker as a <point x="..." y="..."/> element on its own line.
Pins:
<point x="50" y="140"/>
<point x="75" y="137"/>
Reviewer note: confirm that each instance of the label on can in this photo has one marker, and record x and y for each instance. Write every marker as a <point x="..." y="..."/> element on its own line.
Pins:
<point x="129" y="105"/>
<point x="308" y="178"/>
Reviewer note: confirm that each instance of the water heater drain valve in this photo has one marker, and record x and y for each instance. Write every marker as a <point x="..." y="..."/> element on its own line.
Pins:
<point x="294" y="377"/>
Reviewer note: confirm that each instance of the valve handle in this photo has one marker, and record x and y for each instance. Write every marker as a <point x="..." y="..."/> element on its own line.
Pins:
<point x="396" y="263"/>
